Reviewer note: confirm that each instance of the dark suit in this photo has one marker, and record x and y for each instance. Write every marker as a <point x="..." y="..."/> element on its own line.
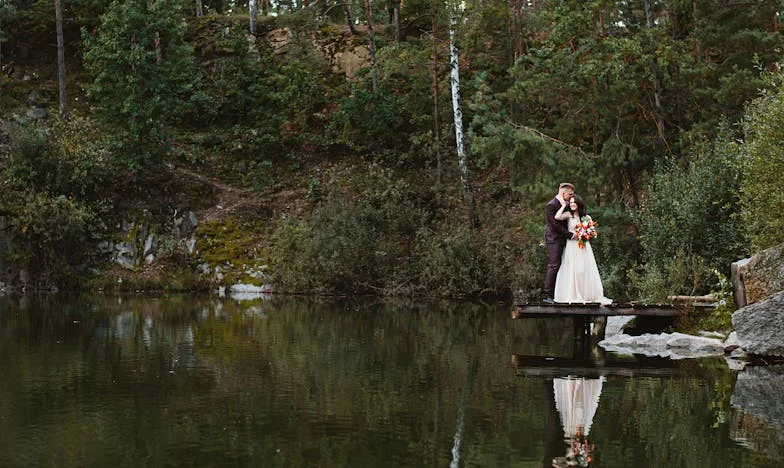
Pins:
<point x="555" y="239"/>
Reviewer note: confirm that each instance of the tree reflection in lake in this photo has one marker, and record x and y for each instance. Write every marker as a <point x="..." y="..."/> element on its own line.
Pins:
<point x="301" y="382"/>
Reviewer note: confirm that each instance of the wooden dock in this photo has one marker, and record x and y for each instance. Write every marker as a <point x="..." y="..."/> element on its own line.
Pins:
<point x="590" y="319"/>
<point x="598" y="310"/>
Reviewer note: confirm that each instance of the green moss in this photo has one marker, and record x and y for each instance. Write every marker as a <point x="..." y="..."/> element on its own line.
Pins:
<point x="230" y="242"/>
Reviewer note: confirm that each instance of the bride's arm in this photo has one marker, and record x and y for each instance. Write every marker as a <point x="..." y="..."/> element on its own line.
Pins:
<point x="562" y="214"/>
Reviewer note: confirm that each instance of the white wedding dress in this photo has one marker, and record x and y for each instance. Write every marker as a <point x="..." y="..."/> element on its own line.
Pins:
<point x="578" y="278"/>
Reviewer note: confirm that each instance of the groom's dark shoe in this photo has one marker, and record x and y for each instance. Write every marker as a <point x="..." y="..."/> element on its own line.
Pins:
<point x="548" y="300"/>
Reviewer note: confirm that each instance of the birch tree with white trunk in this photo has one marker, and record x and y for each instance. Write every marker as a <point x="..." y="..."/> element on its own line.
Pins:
<point x="462" y="156"/>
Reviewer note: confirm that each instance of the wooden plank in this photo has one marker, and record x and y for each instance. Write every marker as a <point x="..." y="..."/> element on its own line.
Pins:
<point x="664" y="310"/>
<point x="598" y="310"/>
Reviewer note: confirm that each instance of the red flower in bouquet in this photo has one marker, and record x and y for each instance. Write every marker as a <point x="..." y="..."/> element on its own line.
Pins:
<point x="585" y="230"/>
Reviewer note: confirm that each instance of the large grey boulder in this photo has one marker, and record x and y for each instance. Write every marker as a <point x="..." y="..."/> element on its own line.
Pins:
<point x="760" y="326"/>
<point x="758" y="277"/>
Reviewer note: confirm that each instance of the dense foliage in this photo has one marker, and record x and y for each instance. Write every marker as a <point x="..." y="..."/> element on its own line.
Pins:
<point x="636" y="102"/>
<point x="763" y="162"/>
<point x="141" y="68"/>
<point x="54" y="197"/>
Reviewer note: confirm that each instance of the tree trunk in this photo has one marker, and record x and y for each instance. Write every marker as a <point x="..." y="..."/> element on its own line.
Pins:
<point x="394" y="17"/>
<point x="158" y="48"/>
<point x="462" y="157"/>
<point x="253" y="9"/>
<point x="436" y="131"/>
<point x="58" y="11"/>
<point x="199" y="9"/>
<point x="656" y="72"/>
<point x="349" y="19"/>
<point x="372" y="44"/>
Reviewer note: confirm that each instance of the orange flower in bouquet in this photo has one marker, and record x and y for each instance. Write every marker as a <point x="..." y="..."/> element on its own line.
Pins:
<point x="585" y="230"/>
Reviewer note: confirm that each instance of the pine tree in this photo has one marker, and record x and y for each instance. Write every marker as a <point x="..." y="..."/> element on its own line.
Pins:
<point x="141" y="69"/>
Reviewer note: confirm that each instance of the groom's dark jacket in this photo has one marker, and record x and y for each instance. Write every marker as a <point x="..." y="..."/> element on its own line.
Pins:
<point x="557" y="231"/>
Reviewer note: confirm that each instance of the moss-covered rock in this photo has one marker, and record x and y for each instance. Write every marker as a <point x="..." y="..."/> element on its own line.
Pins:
<point x="231" y="245"/>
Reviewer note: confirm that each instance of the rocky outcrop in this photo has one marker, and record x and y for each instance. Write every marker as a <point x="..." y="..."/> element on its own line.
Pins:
<point x="758" y="277"/>
<point x="279" y="39"/>
<point x="140" y="239"/>
<point x="760" y="326"/>
<point x="351" y="60"/>
<point x="341" y="50"/>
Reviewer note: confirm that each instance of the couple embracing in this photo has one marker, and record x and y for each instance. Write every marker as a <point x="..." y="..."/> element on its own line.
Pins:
<point x="572" y="274"/>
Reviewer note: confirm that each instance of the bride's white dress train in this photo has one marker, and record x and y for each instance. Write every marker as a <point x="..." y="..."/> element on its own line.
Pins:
<point x="578" y="278"/>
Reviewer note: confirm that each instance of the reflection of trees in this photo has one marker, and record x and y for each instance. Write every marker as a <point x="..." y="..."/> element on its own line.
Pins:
<point x="676" y="421"/>
<point x="297" y="381"/>
<point x="303" y="382"/>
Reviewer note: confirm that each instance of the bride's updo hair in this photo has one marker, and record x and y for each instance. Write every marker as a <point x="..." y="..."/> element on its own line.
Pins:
<point x="581" y="211"/>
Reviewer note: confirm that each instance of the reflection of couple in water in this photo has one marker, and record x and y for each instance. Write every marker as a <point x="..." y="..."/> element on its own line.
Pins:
<point x="576" y="400"/>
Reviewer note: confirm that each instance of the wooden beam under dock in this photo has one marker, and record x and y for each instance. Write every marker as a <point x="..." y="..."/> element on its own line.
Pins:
<point x="598" y="310"/>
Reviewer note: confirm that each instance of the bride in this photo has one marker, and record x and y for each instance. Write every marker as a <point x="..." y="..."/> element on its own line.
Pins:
<point x="578" y="278"/>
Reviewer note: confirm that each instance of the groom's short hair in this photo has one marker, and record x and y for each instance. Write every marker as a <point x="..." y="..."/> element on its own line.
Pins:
<point x="565" y="184"/>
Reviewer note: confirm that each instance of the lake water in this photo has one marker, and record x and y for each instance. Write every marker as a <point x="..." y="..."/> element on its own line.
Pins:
<point x="280" y="381"/>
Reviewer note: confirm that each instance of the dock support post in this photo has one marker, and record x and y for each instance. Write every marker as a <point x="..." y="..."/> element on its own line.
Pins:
<point x="599" y="327"/>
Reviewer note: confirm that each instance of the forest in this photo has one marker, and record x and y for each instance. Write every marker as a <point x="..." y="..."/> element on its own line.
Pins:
<point x="421" y="168"/>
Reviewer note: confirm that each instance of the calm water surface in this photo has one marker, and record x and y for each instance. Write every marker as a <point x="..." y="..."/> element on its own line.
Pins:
<point x="184" y="381"/>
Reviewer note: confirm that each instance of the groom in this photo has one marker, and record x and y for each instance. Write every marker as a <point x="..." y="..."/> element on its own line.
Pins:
<point x="555" y="237"/>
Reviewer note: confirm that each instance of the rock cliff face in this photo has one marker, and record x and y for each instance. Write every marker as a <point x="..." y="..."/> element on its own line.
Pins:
<point x="346" y="53"/>
<point x="758" y="277"/>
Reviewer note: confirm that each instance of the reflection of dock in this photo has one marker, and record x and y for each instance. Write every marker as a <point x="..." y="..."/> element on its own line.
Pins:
<point x="551" y="367"/>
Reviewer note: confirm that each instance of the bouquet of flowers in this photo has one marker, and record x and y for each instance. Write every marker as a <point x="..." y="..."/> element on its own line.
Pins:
<point x="585" y="230"/>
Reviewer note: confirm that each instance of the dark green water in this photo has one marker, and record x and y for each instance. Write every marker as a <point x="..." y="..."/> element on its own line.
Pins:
<point x="183" y="381"/>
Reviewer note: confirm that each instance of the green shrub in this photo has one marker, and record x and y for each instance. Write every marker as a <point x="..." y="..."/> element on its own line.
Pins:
<point x="375" y="235"/>
<point x="684" y="273"/>
<point x="368" y="121"/>
<point x="353" y="240"/>
<point x="694" y="209"/>
<point x="67" y="160"/>
<point x="50" y="235"/>
<point x="449" y="263"/>
<point x="762" y="197"/>
<point x="466" y="262"/>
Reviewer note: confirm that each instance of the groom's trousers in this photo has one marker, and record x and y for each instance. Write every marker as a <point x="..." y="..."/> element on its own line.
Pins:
<point x="554" y="251"/>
